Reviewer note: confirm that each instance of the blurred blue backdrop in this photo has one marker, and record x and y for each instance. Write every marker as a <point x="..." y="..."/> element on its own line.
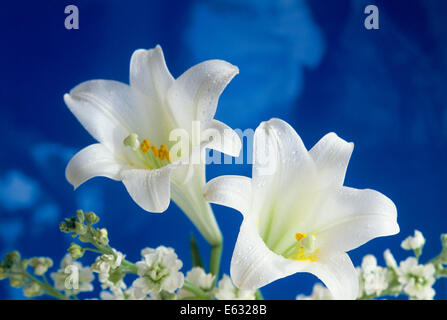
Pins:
<point x="311" y="63"/>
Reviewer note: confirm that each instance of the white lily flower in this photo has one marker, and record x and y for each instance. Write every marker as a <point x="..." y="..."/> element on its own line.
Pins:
<point x="298" y="216"/>
<point x="133" y="124"/>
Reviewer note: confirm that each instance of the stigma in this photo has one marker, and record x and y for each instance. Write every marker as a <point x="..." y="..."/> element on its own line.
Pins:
<point x="304" y="249"/>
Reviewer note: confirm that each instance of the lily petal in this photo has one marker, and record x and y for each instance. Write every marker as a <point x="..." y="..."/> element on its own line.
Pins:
<point x="223" y="138"/>
<point x="92" y="161"/>
<point x="110" y="111"/>
<point x="254" y="265"/>
<point x="230" y="191"/>
<point x="278" y="152"/>
<point x="354" y="217"/>
<point x="338" y="274"/>
<point x="149" y="73"/>
<point x="282" y="169"/>
<point x="194" y="95"/>
<point x="150" y="189"/>
<point x="331" y="155"/>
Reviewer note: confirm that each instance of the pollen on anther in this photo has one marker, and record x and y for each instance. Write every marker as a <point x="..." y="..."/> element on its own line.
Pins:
<point x="164" y="153"/>
<point x="299" y="236"/>
<point x="145" y="146"/>
<point x="156" y="151"/>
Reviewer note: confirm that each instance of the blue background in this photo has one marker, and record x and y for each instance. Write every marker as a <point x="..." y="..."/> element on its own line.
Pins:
<point x="311" y="63"/>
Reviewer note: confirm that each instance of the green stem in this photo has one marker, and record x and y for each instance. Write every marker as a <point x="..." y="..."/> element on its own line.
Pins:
<point x="45" y="279"/>
<point x="195" y="253"/>
<point x="129" y="267"/>
<point x="216" y="254"/>
<point x="47" y="287"/>
<point x="199" y="293"/>
<point x="258" y="295"/>
<point x="192" y="298"/>
<point x="440" y="259"/>
<point x="92" y="250"/>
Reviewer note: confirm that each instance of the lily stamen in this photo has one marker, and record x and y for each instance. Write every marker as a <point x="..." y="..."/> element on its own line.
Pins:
<point x="159" y="157"/>
<point x="145" y="145"/>
<point x="304" y="249"/>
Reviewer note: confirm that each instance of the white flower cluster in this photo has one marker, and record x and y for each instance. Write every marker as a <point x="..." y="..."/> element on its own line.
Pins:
<point x="158" y="271"/>
<point x="414" y="243"/>
<point x="410" y="277"/>
<point x="319" y="292"/>
<point x="118" y="293"/>
<point x="105" y="264"/>
<point x="373" y="279"/>
<point x="198" y="277"/>
<point x="417" y="279"/>
<point x="40" y="265"/>
<point x="72" y="277"/>
<point x="160" y="277"/>
<point x="107" y="267"/>
<point x="226" y="290"/>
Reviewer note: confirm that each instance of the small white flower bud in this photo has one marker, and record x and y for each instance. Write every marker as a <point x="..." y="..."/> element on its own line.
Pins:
<point x="32" y="290"/>
<point x="414" y="243"/>
<point x="40" y="265"/>
<point x="389" y="259"/>
<point x="76" y="251"/>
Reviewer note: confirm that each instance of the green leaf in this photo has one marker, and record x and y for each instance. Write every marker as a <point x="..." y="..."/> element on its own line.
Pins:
<point x="195" y="253"/>
<point x="258" y="295"/>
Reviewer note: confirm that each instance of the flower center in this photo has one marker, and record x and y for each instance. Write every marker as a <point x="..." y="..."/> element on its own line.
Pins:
<point x="151" y="156"/>
<point x="304" y="249"/>
<point x="156" y="273"/>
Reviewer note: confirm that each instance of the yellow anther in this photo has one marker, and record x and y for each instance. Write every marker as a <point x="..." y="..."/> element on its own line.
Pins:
<point x="164" y="153"/>
<point x="155" y="151"/>
<point x="145" y="146"/>
<point x="299" y="236"/>
<point x="161" y="153"/>
<point x="301" y="256"/>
